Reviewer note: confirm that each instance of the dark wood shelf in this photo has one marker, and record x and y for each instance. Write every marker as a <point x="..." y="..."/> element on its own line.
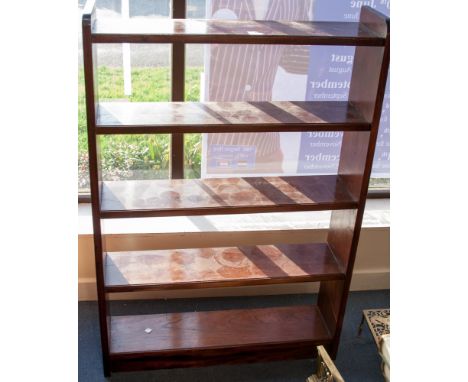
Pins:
<point x="215" y="196"/>
<point x="220" y="267"/>
<point x="205" y="338"/>
<point x="190" y="31"/>
<point x="226" y="117"/>
<point x="241" y="335"/>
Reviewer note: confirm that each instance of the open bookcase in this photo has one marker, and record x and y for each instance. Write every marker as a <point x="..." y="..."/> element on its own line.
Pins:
<point x="241" y="335"/>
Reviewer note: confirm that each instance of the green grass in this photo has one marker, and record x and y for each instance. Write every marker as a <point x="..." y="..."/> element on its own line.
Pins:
<point x="123" y="155"/>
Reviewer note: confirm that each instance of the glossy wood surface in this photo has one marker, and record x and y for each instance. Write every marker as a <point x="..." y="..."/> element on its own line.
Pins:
<point x="90" y="70"/>
<point x="235" y="328"/>
<point x="329" y="301"/>
<point x="246" y="335"/>
<point x="193" y="31"/>
<point x="267" y="352"/>
<point x="219" y="267"/>
<point x="367" y="90"/>
<point x="222" y="117"/>
<point x="182" y="197"/>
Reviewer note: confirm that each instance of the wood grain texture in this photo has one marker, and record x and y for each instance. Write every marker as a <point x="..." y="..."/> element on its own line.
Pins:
<point x="368" y="65"/>
<point x="209" y="357"/>
<point x="341" y="233"/>
<point x="223" y="117"/>
<point x="247" y="335"/>
<point x="219" y="267"/>
<point x="353" y="157"/>
<point x="182" y="197"/>
<point x="90" y="79"/>
<point x="220" y="331"/>
<point x="329" y="301"/>
<point x="367" y="90"/>
<point x="193" y="31"/>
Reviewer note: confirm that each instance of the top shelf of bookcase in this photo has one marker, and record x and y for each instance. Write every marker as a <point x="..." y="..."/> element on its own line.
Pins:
<point x="191" y="31"/>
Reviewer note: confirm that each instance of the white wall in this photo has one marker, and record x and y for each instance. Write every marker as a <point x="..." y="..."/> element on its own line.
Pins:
<point x="371" y="271"/>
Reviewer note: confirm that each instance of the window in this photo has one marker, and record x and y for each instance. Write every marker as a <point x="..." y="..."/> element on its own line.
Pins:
<point x="139" y="72"/>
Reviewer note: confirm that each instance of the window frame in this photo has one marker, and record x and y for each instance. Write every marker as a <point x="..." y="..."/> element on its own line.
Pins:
<point x="179" y="10"/>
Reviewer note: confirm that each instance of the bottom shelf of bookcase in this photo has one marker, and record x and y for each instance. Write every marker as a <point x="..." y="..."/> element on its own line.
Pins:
<point x="170" y="340"/>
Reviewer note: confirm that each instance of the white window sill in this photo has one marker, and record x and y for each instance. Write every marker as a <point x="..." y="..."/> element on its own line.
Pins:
<point x="376" y="215"/>
<point x="371" y="270"/>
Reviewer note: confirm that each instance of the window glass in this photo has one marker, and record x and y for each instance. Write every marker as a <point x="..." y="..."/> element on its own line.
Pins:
<point x="141" y="72"/>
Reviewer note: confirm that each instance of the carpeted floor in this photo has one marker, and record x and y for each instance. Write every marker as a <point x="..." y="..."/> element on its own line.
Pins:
<point x="357" y="359"/>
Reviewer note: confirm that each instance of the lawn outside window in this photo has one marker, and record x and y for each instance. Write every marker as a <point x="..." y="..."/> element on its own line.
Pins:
<point x="148" y="156"/>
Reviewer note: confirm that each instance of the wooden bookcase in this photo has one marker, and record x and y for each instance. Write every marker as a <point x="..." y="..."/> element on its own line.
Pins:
<point x="242" y="335"/>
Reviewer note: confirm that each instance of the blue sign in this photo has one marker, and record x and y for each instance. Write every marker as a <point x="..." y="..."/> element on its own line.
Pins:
<point x="328" y="79"/>
<point x="231" y="156"/>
